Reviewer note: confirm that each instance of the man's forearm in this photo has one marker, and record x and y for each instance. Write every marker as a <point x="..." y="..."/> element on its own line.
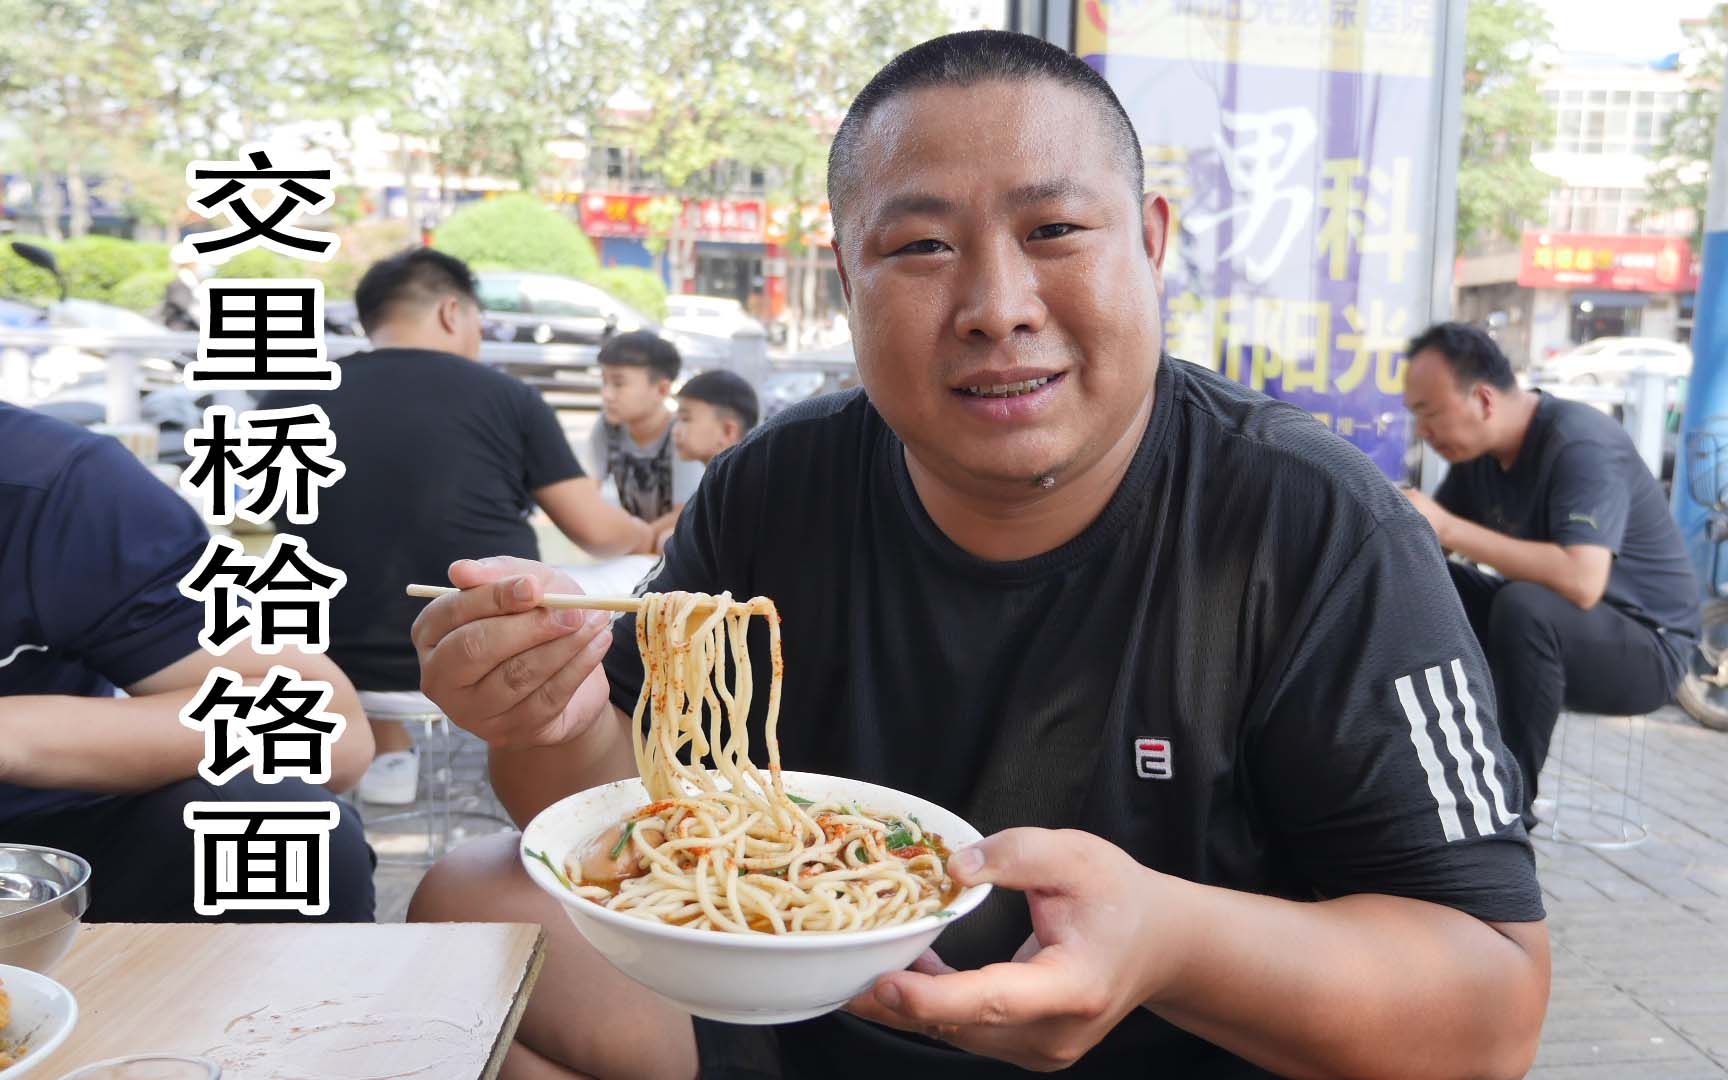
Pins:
<point x="618" y="533"/>
<point x="591" y="523"/>
<point x="530" y="779"/>
<point x="110" y="745"/>
<point x="176" y="683"/>
<point x="1359" y="986"/>
<point x="1547" y="564"/>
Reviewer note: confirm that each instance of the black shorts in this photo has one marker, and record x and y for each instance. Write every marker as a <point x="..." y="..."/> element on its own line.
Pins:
<point x="141" y="853"/>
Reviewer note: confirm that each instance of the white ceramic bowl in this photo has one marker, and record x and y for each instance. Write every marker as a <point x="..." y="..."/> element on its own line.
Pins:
<point x="43" y="1014"/>
<point x="742" y="978"/>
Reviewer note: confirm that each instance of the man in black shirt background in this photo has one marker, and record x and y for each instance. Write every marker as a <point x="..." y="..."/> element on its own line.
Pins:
<point x="446" y="459"/>
<point x="1594" y="605"/>
<point x="1029" y="547"/>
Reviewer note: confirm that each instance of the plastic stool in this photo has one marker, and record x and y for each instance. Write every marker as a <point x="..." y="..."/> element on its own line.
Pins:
<point x="1599" y="809"/>
<point x="438" y="751"/>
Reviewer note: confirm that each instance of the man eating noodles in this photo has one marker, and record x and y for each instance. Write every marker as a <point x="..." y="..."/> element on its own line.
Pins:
<point x="1187" y="660"/>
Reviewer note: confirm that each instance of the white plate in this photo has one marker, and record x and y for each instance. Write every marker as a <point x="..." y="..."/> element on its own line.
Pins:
<point x="43" y="1014"/>
<point x="742" y="978"/>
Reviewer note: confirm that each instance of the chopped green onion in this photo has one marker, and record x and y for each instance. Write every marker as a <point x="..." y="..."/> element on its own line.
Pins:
<point x="900" y="838"/>
<point x="859" y="853"/>
<point x="618" y="848"/>
<point x="798" y="800"/>
<point x="557" y="873"/>
<point x="943" y="914"/>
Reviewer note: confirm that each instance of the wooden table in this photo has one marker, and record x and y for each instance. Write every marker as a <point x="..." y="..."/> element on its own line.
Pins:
<point x="302" y="1001"/>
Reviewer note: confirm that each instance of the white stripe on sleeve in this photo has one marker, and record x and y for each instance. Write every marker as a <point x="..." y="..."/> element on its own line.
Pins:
<point x="1448" y="806"/>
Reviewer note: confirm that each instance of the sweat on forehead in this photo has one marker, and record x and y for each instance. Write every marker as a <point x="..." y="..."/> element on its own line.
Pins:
<point x="964" y="60"/>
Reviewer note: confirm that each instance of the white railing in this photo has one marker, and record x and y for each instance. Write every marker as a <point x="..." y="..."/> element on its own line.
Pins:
<point x="123" y="352"/>
<point x="1644" y="401"/>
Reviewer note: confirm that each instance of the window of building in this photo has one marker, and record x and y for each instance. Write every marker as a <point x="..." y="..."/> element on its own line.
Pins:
<point x="1609" y="121"/>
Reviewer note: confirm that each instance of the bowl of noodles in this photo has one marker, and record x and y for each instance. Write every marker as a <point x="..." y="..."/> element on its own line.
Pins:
<point x="754" y="975"/>
<point x="740" y="893"/>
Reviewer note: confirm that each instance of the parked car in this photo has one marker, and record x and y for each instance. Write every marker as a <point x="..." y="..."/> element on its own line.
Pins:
<point x="546" y="308"/>
<point x="20" y="315"/>
<point x="1607" y="361"/>
<point x="715" y="316"/>
<point x="343" y="317"/>
<point x="60" y="367"/>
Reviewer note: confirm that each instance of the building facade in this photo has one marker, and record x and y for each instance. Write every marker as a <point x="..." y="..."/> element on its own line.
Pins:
<point x="1603" y="264"/>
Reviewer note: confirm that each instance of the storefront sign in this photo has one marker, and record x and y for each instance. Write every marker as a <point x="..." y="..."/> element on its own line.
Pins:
<point x="1552" y="260"/>
<point x="731" y="221"/>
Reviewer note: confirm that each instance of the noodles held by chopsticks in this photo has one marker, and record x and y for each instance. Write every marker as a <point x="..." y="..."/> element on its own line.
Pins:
<point x="730" y="849"/>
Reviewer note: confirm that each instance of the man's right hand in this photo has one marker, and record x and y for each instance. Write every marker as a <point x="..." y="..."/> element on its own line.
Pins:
<point x="503" y="667"/>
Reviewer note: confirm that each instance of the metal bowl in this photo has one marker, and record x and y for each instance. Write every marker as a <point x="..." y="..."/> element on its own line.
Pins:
<point x="44" y="893"/>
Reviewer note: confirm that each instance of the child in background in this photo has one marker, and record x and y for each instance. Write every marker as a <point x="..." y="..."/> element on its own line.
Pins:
<point x="632" y="442"/>
<point x="716" y="409"/>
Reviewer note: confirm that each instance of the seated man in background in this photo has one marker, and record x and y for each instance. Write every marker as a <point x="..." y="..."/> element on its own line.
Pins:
<point x="716" y="409"/>
<point x="1595" y="606"/>
<point x="631" y="443"/>
<point x="92" y="551"/>
<point x="446" y="459"/>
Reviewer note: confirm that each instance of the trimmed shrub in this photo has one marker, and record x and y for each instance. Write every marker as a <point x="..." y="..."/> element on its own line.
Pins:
<point x="641" y="289"/>
<point x="521" y="233"/>
<point x="94" y="265"/>
<point x="20" y="280"/>
<point x="264" y="263"/>
<point x="143" y="292"/>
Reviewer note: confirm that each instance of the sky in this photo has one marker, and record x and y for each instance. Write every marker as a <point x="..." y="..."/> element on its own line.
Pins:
<point x="1604" y="26"/>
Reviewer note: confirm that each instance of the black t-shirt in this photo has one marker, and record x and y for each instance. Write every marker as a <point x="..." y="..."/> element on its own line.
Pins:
<point x="443" y="456"/>
<point x="1579" y="480"/>
<point x="1256" y="605"/>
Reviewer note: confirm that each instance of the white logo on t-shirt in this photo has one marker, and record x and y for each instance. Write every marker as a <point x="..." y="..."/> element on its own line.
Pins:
<point x="1152" y="758"/>
<point x="20" y="651"/>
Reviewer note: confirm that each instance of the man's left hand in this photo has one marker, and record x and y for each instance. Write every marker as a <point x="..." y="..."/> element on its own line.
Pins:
<point x="1438" y="516"/>
<point x="1090" y="960"/>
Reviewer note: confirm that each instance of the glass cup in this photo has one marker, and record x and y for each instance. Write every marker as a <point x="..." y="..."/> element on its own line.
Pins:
<point x="149" y="1067"/>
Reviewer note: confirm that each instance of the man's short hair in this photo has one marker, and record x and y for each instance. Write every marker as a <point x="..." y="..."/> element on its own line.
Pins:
<point x="1470" y="353"/>
<point x="417" y="275"/>
<point x="967" y="59"/>
<point x="724" y="391"/>
<point x="643" y="349"/>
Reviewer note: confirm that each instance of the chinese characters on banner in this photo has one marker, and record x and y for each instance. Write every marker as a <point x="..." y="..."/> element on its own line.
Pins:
<point x="1300" y="169"/>
<point x="262" y="465"/>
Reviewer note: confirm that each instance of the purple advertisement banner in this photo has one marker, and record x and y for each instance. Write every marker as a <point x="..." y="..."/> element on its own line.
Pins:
<point x="1296" y="154"/>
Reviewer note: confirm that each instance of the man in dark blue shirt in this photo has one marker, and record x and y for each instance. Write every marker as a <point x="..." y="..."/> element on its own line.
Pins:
<point x="1594" y="604"/>
<point x="92" y="550"/>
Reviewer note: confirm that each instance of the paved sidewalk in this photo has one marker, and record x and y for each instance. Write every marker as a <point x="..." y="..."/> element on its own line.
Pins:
<point x="1640" y="936"/>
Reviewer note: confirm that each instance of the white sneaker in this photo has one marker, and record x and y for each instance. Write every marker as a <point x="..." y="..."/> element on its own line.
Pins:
<point x="392" y="778"/>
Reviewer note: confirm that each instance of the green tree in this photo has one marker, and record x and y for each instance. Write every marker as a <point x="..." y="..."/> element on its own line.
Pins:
<point x="756" y="82"/>
<point x="133" y="89"/>
<point x="1505" y="121"/>
<point x="1681" y="179"/>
